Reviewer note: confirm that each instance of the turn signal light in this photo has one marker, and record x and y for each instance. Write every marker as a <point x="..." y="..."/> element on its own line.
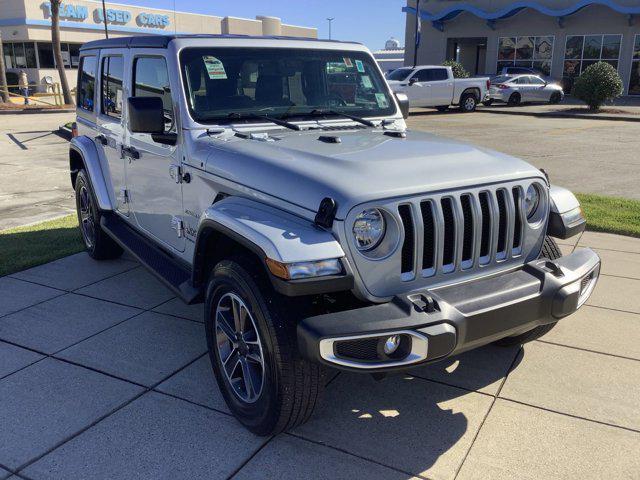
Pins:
<point x="298" y="270"/>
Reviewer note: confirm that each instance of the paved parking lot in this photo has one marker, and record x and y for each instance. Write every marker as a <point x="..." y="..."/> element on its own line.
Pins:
<point x="103" y="374"/>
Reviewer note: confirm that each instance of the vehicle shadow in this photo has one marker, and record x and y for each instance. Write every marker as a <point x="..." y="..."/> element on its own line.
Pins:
<point x="404" y="421"/>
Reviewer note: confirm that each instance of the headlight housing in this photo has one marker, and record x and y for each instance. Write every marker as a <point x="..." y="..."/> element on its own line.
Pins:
<point x="369" y="229"/>
<point x="531" y="200"/>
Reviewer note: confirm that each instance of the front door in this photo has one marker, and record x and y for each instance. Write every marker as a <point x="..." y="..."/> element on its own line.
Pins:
<point x="153" y="179"/>
<point x="418" y="90"/>
<point x="109" y="119"/>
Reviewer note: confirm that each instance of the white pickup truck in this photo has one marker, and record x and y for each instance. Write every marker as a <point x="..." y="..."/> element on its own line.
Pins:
<point x="435" y="86"/>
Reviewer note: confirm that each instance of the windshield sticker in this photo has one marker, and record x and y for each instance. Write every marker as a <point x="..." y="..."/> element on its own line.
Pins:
<point x="215" y="68"/>
<point x="347" y="62"/>
<point x="360" y="66"/>
<point x="381" y="98"/>
<point x="366" y="81"/>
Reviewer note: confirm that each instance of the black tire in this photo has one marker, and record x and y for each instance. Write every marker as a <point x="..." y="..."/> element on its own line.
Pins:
<point x="555" y="98"/>
<point x="290" y="386"/>
<point x="515" y="99"/>
<point x="551" y="251"/>
<point x="442" y="108"/>
<point x="488" y="103"/>
<point x="99" y="245"/>
<point x="468" y="102"/>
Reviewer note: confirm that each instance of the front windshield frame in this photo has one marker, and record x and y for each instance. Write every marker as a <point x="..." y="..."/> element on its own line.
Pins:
<point x="289" y="112"/>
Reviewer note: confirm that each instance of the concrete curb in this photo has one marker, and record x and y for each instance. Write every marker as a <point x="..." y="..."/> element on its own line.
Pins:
<point x="36" y="110"/>
<point x="615" y="118"/>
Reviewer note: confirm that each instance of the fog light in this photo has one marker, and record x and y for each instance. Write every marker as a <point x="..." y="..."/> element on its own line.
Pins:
<point x="391" y="344"/>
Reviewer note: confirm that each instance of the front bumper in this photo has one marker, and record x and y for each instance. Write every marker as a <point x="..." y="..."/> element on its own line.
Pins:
<point x="448" y="320"/>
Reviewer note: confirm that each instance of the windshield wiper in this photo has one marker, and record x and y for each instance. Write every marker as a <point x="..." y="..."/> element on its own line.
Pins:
<point x="277" y="121"/>
<point x="319" y="112"/>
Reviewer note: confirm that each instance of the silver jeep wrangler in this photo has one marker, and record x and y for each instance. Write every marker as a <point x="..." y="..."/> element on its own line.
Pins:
<point x="274" y="180"/>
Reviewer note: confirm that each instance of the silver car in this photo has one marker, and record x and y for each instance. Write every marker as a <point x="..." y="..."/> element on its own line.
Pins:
<point x="523" y="88"/>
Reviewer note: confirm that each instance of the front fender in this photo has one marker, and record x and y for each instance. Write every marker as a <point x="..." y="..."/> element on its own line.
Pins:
<point x="565" y="215"/>
<point x="86" y="149"/>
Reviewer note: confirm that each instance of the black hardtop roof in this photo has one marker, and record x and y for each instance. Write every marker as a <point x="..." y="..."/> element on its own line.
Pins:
<point x="161" y="41"/>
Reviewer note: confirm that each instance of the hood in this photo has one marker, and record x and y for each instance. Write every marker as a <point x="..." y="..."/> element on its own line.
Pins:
<point x="366" y="165"/>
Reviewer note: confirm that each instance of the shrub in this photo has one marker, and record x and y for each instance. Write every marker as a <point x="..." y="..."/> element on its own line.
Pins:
<point x="597" y="84"/>
<point x="458" y="69"/>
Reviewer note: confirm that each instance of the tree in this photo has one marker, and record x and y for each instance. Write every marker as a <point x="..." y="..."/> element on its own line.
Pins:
<point x="597" y="84"/>
<point x="458" y="69"/>
<point x="57" y="50"/>
<point x="4" y="90"/>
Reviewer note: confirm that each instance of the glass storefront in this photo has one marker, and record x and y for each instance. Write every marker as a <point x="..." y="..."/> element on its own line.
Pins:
<point x="530" y="52"/>
<point x="32" y="54"/>
<point x="634" y="79"/>
<point x="584" y="50"/>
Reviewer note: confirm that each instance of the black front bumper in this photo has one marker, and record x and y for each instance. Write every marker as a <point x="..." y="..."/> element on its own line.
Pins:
<point x="456" y="318"/>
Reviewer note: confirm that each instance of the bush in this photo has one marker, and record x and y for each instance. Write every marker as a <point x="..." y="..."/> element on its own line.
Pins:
<point x="597" y="84"/>
<point x="458" y="69"/>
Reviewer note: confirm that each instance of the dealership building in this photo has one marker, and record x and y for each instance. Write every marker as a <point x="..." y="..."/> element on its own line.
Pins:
<point x="25" y="26"/>
<point x="561" y="38"/>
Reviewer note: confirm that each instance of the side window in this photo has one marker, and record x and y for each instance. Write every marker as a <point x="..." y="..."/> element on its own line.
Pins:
<point x="423" y="75"/>
<point x="111" y="92"/>
<point x="151" y="79"/>
<point x="87" y="83"/>
<point x="440" y="74"/>
<point x="536" y="81"/>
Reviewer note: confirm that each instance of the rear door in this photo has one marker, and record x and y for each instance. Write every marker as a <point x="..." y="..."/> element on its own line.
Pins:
<point x="153" y="177"/>
<point x="441" y="87"/>
<point x="110" y="126"/>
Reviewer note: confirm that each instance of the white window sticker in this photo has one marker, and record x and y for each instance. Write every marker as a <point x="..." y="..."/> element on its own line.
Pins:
<point x="215" y="68"/>
<point x="381" y="98"/>
<point x="360" y="66"/>
<point x="366" y="81"/>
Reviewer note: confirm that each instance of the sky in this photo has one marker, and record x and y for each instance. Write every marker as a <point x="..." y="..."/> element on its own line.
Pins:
<point x="371" y="22"/>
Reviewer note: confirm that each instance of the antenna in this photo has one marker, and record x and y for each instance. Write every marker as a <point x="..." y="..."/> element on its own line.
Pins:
<point x="104" y="19"/>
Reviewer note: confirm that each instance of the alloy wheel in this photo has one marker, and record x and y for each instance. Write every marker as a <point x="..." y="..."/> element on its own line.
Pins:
<point x="239" y="347"/>
<point x="469" y="104"/>
<point x="87" y="221"/>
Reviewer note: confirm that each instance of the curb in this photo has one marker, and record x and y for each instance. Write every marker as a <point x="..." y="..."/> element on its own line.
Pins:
<point x="615" y="118"/>
<point x="36" y="110"/>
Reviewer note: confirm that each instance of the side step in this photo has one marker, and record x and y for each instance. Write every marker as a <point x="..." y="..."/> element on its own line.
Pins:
<point x="166" y="268"/>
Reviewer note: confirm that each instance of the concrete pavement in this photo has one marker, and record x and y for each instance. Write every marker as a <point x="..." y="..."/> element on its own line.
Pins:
<point x="104" y="374"/>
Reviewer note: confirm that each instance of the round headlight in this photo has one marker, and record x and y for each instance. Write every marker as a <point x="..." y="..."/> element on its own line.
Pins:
<point x="368" y="229"/>
<point x="531" y="200"/>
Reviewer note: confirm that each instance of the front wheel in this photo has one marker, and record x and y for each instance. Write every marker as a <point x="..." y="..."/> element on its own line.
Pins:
<point x="555" y="98"/>
<point x="468" y="102"/>
<point x="251" y="337"/>
<point x="551" y="251"/>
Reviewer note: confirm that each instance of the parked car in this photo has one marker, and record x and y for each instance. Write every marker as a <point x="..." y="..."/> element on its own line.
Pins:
<point x="523" y="88"/>
<point x="435" y="86"/>
<point x="318" y="231"/>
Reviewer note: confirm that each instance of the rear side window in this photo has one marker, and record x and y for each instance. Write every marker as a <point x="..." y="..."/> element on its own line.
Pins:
<point x="87" y="83"/>
<point x="151" y="79"/>
<point x="440" y="74"/>
<point x="111" y="92"/>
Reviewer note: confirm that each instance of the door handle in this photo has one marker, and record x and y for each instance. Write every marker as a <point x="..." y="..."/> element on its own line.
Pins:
<point x="130" y="152"/>
<point x="102" y="139"/>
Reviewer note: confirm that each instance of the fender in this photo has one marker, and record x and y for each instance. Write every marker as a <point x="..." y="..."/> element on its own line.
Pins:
<point x="271" y="233"/>
<point x="565" y="215"/>
<point x="85" y="147"/>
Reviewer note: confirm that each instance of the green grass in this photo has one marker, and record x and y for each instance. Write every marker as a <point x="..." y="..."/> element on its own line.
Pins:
<point x="611" y="214"/>
<point x="25" y="247"/>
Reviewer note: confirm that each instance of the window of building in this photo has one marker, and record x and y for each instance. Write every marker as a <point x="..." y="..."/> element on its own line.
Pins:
<point x="111" y="81"/>
<point x="634" y="79"/>
<point x="151" y="79"/>
<point x="529" y="52"/>
<point x="87" y="83"/>
<point x="45" y="55"/>
<point x="584" y="50"/>
<point x="19" y="55"/>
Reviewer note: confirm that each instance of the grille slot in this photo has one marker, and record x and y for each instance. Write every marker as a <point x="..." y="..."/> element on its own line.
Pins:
<point x="485" y="243"/>
<point x="361" y="349"/>
<point x="408" y="247"/>
<point x="467" y="242"/>
<point x="429" y="252"/>
<point x="502" y="222"/>
<point x="517" y="231"/>
<point x="449" y="247"/>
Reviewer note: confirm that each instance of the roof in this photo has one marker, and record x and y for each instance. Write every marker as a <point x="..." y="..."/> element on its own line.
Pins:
<point x="161" y="41"/>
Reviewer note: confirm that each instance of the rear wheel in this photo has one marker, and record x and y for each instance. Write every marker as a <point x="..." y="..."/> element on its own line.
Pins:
<point x="555" y="98"/>
<point x="551" y="251"/>
<point x="468" y="102"/>
<point x="442" y="108"/>
<point x="514" y="99"/>
<point x="251" y="336"/>
<point x="99" y="245"/>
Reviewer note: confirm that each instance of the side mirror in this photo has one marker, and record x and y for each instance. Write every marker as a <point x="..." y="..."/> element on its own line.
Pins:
<point x="403" y="103"/>
<point x="412" y="80"/>
<point x="146" y="115"/>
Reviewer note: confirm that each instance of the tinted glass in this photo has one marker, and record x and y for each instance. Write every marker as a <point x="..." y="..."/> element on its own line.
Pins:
<point x="543" y="48"/>
<point x="400" y="74"/>
<point x="592" y="46"/>
<point x="112" y="75"/>
<point x="574" y="47"/>
<point x="224" y="83"/>
<point x="636" y="48"/>
<point x="151" y="79"/>
<point x="424" y="75"/>
<point x="611" y="47"/>
<point x="87" y="83"/>
<point x="524" y="48"/>
<point x="19" y="58"/>
<point x="74" y="54"/>
<point x="507" y="48"/>
<point x="535" y="80"/>
<point x="440" y="74"/>
<point x="45" y="54"/>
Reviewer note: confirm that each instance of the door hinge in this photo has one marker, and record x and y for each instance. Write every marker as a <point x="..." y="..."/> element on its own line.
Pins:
<point x="124" y="196"/>
<point x="176" y="172"/>
<point x="178" y="226"/>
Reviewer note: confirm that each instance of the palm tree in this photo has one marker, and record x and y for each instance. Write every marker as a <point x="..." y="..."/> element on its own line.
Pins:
<point x="57" y="50"/>
<point x="4" y="91"/>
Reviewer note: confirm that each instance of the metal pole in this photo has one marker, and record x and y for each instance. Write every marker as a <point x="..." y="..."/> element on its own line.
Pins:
<point x="416" y="33"/>
<point x="104" y="19"/>
<point x="330" y="19"/>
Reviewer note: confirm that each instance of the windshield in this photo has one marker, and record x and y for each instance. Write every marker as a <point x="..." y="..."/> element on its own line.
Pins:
<point x="400" y="74"/>
<point x="232" y="83"/>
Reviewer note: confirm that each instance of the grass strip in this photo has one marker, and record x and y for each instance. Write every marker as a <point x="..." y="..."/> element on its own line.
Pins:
<point x="611" y="214"/>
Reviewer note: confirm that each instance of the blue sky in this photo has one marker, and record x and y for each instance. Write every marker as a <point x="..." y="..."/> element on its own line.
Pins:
<point x="371" y="22"/>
